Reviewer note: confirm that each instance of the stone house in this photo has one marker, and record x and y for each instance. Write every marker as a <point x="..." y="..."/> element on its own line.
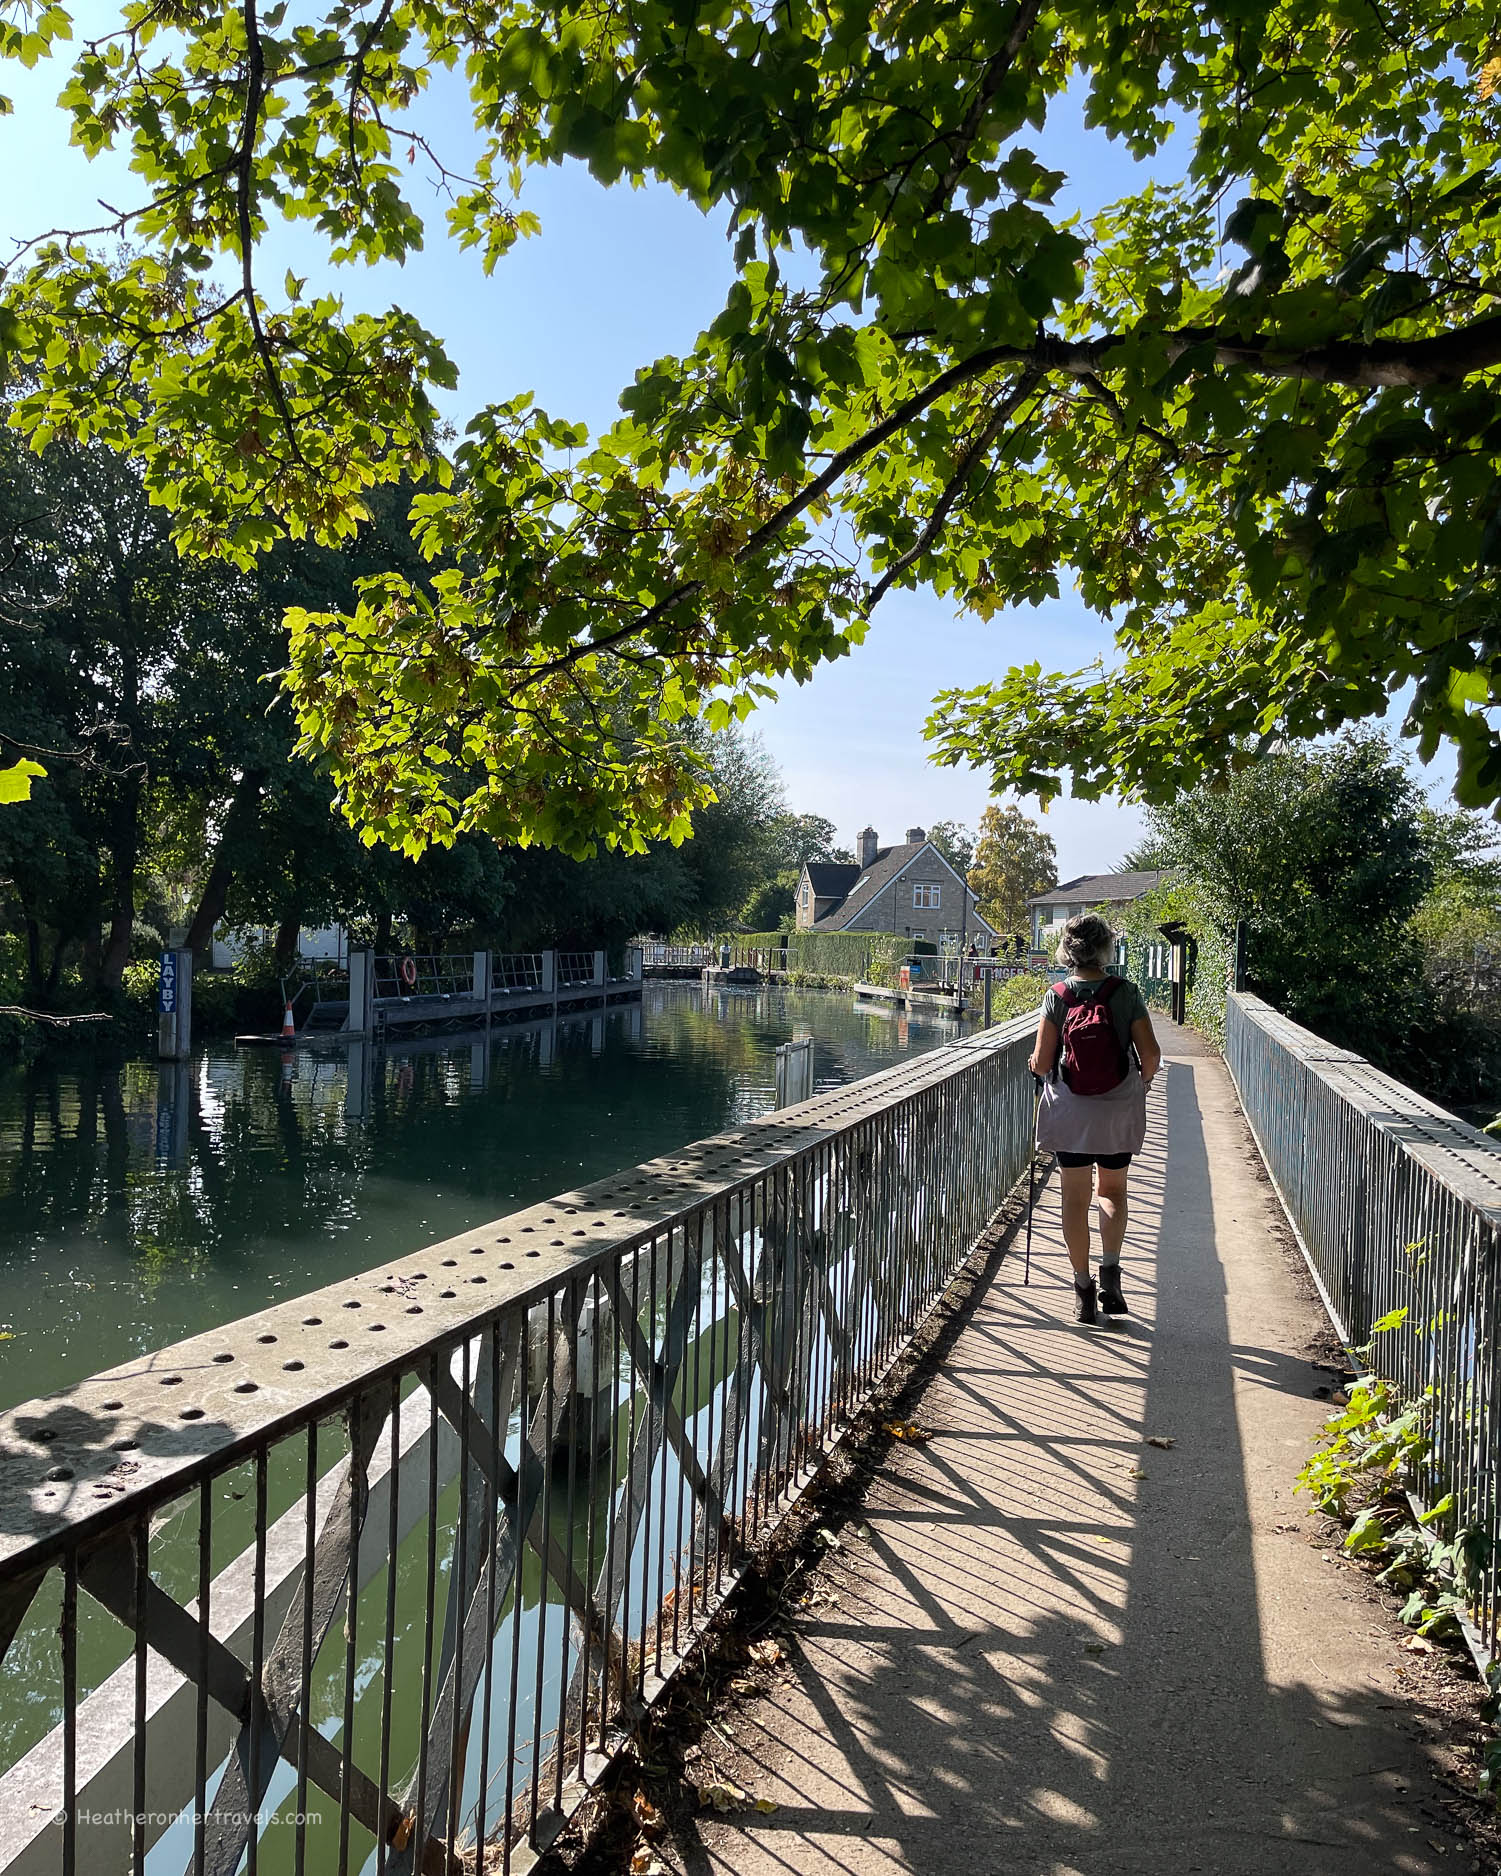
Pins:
<point x="1105" y="891"/>
<point x="909" y="889"/>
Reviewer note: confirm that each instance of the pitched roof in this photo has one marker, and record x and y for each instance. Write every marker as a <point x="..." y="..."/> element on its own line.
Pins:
<point x="1102" y="888"/>
<point x="831" y="879"/>
<point x="884" y="868"/>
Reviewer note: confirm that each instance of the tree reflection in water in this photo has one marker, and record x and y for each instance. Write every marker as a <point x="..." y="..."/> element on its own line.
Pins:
<point x="141" y="1203"/>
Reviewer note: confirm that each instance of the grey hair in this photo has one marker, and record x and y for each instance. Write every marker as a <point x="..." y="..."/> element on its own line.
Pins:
<point x="1087" y="940"/>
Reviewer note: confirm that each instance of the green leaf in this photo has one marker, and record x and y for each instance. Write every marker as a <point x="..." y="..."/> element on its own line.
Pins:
<point x="15" y="782"/>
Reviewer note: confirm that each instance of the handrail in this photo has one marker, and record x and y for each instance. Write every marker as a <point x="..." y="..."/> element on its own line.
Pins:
<point x="1397" y="1207"/>
<point x="624" y="1385"/>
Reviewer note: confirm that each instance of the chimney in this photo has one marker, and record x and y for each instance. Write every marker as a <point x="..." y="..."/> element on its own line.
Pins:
<point x="916" y="836"/>
<point x="866" y="846"/>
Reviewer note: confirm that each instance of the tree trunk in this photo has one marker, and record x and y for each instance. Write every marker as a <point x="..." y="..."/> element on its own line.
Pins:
<point x="124" y="847"/>
<point x="237" y="823"/>
<point x="36" y="978"/>
<point x="287" y="934"/>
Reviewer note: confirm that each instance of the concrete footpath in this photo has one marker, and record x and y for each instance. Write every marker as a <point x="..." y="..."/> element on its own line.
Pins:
<point x="1065" y="1651"/>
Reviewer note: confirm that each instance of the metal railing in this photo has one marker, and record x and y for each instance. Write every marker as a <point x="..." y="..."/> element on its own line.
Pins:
<point x="575" y="968"/>
<point x="1398" y="1208"/>
<point x="516" y="970"/>
<point x="688" y="956"/>
<point x="424" y="974"/>
<point x="763" y="958"/>
<point x="312" y="981"/>
<point x="539" y="1453"/>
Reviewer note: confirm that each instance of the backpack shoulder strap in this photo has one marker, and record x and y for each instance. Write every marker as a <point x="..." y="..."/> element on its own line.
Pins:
<point x="1066" y="997"/>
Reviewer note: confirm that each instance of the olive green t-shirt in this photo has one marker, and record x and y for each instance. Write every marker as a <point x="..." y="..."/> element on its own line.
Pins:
<point x="1126" y="1003"/>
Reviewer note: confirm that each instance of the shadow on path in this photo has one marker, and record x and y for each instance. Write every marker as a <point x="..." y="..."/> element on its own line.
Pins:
<point x="1064" y="1651"/>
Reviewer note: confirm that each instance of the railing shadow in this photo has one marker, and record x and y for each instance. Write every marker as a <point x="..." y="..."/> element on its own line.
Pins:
<point x="1049" y="1656"/>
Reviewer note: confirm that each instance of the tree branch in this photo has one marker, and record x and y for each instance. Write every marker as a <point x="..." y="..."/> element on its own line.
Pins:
<point x="986" y="435"/>
<point x="990" y="82"/>
<point x="255" y="90"/>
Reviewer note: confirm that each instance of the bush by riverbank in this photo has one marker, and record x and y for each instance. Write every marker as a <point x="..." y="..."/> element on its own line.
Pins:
<point x="225" y="1003"/>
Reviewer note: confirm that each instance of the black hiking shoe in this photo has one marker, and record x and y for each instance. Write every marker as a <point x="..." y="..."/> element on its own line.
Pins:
<point x="1084" y="1302"/>
<point x="1111" y="1300"/>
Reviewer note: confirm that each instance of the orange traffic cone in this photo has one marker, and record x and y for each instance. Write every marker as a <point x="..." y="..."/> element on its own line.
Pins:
<point x="288" y="1027"/>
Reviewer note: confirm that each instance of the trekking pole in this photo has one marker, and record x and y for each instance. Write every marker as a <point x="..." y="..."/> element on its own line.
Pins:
<point x="1032" y="1178"/>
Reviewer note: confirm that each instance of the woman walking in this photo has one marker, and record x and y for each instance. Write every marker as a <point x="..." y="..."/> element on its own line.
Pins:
<point x="1096" y="1055"/>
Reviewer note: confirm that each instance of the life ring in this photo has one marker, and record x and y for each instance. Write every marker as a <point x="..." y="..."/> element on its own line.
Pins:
<point x="407" y="971"/>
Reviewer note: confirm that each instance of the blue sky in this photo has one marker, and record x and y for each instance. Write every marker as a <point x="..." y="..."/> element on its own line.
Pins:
<point x="616" y="278"/>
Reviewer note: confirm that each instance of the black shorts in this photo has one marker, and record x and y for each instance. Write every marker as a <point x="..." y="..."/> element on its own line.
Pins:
<point x="1112" y="1162"/>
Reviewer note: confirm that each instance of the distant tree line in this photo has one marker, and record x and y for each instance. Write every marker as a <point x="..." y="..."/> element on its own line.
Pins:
<point x="171" y="801"/>
<point x="1373" y="917"/>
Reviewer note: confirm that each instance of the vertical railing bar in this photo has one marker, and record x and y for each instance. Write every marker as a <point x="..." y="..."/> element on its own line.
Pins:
<point x="492" y="1534"/>
<point x="430" y="1598"/>
<point x="257" y="1659"/>
<point x="357" y="1490"/>
<point x="69" y="1637"/>
<point x="729" y="1224"/>
<point x="140" y="1550"/>
<point x="305" y="1717"/>
<point x="518" y="1547"/>
<point x="659" y="1470"/>
<point x="459" y="1590"/>
<point x="574" y="1306"/>
<point x="684" y="1571"/>
<point x="543" y="1580"/>
<point x="592" y="1517"/>
<point x="388" y="1667"/>
<point x="612" y="1514"/>
<point x="628" y="1548"/>
<point x="200" y="1713"/>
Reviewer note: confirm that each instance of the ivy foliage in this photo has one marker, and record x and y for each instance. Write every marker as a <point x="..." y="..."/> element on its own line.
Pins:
<point x="1249" y="410"/>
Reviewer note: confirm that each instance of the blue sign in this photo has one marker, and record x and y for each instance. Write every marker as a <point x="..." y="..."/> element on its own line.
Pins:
<point x="166" y="1000"/>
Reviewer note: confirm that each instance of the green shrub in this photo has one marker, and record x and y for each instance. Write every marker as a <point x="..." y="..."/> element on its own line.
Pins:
<point x="1017" y="996"/>
<point x="846" y="956"/>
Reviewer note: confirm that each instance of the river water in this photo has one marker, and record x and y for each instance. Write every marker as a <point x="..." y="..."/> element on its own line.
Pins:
<point x="141" y="1204"/>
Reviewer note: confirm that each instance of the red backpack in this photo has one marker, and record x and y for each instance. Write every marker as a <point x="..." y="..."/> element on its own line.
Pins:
<point x="1090" y="1053"/>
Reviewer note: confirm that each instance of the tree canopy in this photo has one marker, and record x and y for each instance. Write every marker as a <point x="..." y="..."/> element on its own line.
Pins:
<point x="1360" y="901"/>
<point x="170" y="798"/>
<point x="1249" y="409"/>
<point x="1013" y="859"/>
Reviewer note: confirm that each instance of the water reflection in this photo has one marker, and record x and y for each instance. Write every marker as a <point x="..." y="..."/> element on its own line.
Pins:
<point x="140" y="1204"/>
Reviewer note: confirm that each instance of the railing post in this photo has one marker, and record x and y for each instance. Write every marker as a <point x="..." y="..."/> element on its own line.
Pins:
<point x="482" y="976"/>
<point x="1238" y="962"/>
<point x="174" y="1007"/>
<point x="637" y="965"/>
<point x="361" y="992"/>
<point x="599" y="967"/>
<point x="549" y="973"/>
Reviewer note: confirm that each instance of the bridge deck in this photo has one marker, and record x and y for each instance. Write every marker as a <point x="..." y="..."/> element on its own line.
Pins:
<point x="1065" y="1652"/>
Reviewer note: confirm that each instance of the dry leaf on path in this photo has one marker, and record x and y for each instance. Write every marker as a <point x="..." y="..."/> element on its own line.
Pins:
<point x="1162" y="1440"/>
<point x="766" y="1806"/>
<point x="722" y="1795"/>
<point x="907" y="1430"/>
<point x="765" y="1654"/>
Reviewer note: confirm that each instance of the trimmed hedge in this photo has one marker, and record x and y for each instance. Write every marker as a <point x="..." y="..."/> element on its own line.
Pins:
<point x="868" y="957"/>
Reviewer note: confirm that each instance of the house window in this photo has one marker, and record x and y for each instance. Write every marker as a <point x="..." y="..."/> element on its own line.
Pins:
<point x="926" y="898"/>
